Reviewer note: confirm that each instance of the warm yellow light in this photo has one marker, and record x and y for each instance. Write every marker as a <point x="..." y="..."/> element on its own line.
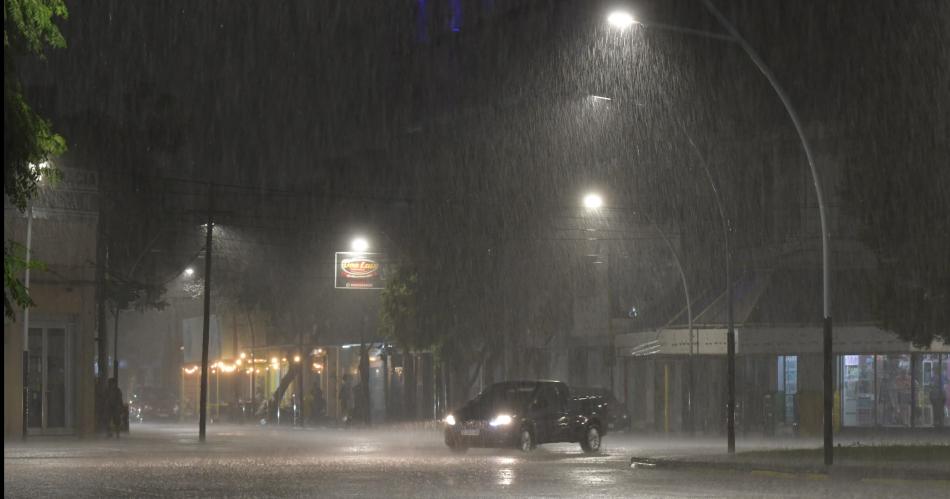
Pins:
<point x="237" y="362"/>
<point x="284" y="359"/>
<point x="243" y="355"/>
<point x="273" y="360"/>
<point x="296" y="358"/>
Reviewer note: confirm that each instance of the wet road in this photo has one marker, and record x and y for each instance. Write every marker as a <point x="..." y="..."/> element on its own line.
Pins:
<point x="248" y="461"/>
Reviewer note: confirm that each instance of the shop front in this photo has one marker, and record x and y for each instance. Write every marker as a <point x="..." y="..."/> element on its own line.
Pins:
<point x="778" y="381"/>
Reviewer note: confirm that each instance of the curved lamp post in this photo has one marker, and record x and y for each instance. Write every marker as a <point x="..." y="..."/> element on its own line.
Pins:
<point x="594" y="201"/>
<point x="622" y="20"/>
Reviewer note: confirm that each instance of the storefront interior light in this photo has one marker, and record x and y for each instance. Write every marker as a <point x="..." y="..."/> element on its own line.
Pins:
<point x="296" y="358"/>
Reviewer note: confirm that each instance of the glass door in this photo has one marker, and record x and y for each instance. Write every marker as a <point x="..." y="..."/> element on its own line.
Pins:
<point x="48" y="378"/>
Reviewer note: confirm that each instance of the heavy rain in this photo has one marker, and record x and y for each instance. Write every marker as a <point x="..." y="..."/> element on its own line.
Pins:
<point x="437" y="248"/>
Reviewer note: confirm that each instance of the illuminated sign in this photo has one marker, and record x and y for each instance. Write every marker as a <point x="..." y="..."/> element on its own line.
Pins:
<point x="354" y="270"/>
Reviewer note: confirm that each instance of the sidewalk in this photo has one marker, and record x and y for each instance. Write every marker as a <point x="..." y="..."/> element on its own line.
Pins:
<point x="883" y="462"/>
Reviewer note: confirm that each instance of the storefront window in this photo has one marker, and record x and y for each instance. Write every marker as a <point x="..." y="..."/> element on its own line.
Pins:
<point x="787" y="377"/>
<point x="857" y="379"/>
<point x="894" y="390"/>
<point x="932" y="389"/>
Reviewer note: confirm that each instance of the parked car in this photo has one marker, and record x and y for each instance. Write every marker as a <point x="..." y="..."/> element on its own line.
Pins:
<point x="618" y="419"/>
<point x="524" y="414"/>
<point x="153" y="404"/>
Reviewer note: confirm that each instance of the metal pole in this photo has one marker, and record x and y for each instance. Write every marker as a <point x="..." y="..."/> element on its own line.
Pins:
<point x="205" y="333"/>
<point x="730" y="332"/>
<point x="689" y="314"/>
<point x="827" y="356"/>
<point x="304" y="362"/>
<point x="115" y="346"/>
<point x="26" y="321"/>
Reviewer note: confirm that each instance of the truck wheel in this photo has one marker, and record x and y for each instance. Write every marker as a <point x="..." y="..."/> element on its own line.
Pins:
<point x="526" y="441"/>
<point x="590" y="442"/>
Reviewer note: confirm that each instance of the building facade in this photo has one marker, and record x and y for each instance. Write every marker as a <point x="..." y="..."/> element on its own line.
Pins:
<point x="61" y="329"/>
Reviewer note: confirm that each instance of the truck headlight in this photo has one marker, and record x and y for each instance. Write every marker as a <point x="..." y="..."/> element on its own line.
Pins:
<point x="500" y="420"/>
<point x="450" y="420"/>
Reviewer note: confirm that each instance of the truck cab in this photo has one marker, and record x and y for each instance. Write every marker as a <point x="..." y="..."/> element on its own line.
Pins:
<point x="525" y="414"/>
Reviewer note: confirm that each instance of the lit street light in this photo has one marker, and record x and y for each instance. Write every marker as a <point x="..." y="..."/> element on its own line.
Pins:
<point x="827" y="361"/>
<point x="593" y="201"/>
<point x="38" y="170"/>
<point x="359" y="244"/>
<point x="596" y="202"/>
<point x="190" y="271"/>
<point x="621" y="19"/>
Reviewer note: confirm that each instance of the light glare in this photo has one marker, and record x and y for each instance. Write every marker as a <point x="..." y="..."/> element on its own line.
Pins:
<point x="359" y="244"/>
<point x="500" y="420"/>
<point x="621" y="19"/>
<point x="593" y="201"/>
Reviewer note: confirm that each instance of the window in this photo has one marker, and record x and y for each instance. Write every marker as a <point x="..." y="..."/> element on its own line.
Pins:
<point x="857" y="394"/>
<point x="894" y="387"/>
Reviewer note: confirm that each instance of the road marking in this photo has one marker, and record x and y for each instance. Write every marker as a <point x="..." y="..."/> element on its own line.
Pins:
<point x="783" y="474"/>
<point x="903" y="481"/>
<point x="131" y="492"/>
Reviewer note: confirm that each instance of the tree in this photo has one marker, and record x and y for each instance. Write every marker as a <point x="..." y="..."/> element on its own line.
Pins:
<point x="904" y="214"/>
<point x="398" y="311"/>
<point x="28" y="139"/>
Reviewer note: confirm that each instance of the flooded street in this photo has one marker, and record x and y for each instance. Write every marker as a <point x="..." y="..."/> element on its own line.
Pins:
<point x="247" y="461"/>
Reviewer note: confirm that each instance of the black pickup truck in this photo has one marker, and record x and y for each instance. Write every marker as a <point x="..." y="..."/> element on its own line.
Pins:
<point x="523" y="414"/>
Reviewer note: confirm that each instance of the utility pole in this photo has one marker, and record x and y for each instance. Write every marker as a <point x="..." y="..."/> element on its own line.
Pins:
<point x="206" y="333"/>
<point x="26" y="323"/>
<point x="304" y="362"/>
<point x="235" y="385"/>
<point x="115" y="345"/>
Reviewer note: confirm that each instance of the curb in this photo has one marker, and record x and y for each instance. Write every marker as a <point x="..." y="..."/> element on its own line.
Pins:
<point x="807" y="471"/>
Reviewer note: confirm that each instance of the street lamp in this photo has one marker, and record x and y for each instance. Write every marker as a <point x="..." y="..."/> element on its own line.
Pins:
<point x="593" y="201"/>
<point x="359" y="244"/>
<point x="621" y="19"/>
<point x="735" y="37"/>
<point x="190" y="271"/>
<point x="597" y="202"/>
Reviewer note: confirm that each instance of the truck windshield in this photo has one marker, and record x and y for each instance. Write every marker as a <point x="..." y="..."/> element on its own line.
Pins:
<point x="505" y="396"/>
